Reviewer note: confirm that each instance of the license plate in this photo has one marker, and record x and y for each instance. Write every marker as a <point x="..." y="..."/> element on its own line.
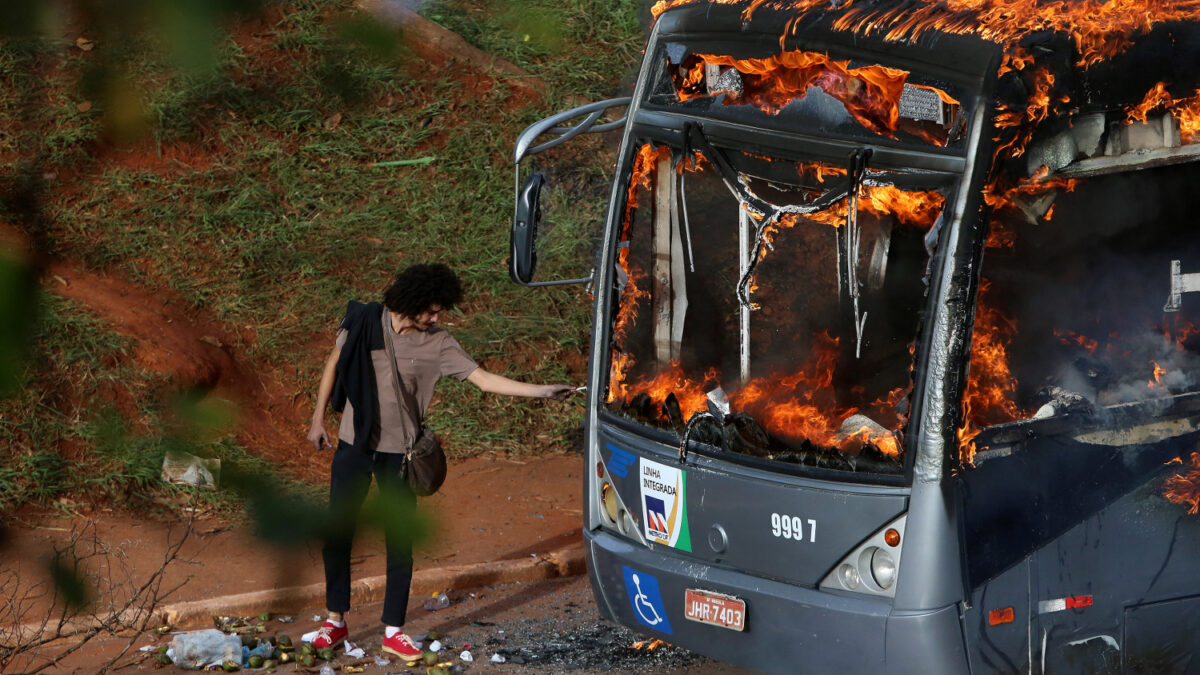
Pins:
<point x="715" y="609"/>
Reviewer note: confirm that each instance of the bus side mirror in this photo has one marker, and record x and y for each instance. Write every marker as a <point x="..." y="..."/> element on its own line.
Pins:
<point x="522" y="258"/>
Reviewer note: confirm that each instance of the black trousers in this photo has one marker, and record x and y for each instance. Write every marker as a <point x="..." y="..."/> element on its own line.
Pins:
<point x="349" y="482"/>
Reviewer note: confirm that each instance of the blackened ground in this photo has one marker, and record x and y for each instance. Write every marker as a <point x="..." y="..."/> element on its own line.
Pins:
<point x="550" y="627"/>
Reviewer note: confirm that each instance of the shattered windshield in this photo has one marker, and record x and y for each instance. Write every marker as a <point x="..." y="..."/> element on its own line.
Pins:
<point x="770" y="308"/>
<point x="811" y="90"/>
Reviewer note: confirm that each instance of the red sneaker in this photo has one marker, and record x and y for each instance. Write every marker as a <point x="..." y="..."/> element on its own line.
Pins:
<point x="330" y="635"/>
<point x="401" y="645"/>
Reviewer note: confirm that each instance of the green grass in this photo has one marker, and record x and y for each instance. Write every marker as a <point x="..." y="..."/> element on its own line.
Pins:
<point x="253" y="197"/>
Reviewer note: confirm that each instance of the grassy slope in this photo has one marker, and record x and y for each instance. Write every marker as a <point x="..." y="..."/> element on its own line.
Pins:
<point x="259" y="203"/>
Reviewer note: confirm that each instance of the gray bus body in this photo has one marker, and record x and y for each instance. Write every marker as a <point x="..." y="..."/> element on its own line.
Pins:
<point x="1051" y="548"/>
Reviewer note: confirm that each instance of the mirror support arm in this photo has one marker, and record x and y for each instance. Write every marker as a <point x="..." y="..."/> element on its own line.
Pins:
<point x="556" y="124"/>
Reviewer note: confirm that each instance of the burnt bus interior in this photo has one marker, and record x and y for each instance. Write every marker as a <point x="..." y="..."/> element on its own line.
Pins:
<point x="770" y="301"/>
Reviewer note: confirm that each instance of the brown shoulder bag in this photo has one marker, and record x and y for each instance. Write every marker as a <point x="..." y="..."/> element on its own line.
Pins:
<point x="425" y="463"/>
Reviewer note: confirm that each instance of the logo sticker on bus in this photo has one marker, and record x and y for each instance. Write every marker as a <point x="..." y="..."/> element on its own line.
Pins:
<point x="646" y="599"/>
<point x="664" y="505"/>
<point x="619" y="461"/>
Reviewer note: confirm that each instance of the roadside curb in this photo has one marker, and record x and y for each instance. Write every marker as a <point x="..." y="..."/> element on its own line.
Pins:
<point x="563" y="562"/>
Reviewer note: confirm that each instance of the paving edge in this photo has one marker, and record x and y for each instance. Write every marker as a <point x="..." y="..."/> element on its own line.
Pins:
<point x="560" y="563"/>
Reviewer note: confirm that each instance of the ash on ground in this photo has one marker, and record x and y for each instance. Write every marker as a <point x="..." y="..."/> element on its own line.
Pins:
<point x="592" y="646"/>
<point x="551" y="626"/>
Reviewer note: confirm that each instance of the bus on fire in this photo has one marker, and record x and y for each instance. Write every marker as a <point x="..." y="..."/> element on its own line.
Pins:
<point x="894" y="364"/>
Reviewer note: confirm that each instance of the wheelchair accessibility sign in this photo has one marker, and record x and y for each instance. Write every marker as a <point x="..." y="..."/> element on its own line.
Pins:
<point x="646" y="600"/>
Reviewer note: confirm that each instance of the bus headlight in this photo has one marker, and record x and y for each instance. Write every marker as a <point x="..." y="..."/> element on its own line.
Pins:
<point x="848" y="574"/>
<point x="608" y="498"/>
<point x="883" y="568"/>
<point x="872" y="567"/>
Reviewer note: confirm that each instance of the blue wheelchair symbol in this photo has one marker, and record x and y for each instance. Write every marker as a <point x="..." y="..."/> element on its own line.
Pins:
<point x="646" y="600"/>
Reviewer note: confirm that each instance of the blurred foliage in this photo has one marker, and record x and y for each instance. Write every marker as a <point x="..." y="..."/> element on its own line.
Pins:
<point x="285" y="218"/>
<point x="18" y="312"/>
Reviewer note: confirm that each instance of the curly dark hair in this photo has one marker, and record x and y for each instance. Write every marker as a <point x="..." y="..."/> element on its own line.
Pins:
<point x="418" y="287"/>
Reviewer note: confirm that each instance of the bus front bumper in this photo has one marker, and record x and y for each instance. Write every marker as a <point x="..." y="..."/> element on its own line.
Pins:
<point x="787" y="628"/>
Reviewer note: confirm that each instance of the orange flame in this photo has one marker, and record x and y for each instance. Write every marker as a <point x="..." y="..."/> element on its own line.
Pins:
<point x="793" y="407"/>
<point x="1067" y="337"/>
<point x="1186" y="110"/>
<point x="991" y="387"/>
<point x="1100" y="29"/>
<point x="1155" y="99"/>
<point x="1179" y="332"/>
<point x="1156" y="375"/>
<point x="871" y="94"/>
<point x="1185" y="488"/>
<point x="649" y="645"/>
<point x="916" y="208"/>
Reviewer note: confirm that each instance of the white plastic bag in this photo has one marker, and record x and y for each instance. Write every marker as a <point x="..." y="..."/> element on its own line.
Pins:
<point x="202" y="648"/>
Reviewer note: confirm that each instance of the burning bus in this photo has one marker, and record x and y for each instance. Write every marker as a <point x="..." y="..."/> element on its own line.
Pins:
<point x="895" y="361"/>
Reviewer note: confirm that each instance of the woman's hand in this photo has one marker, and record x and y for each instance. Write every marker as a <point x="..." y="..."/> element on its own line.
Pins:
<point x="318" y="436"/>
<point x="558" y="392"/>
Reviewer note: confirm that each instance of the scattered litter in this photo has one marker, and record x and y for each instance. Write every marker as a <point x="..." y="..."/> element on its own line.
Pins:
<point x="286" y="619"/>
<point x="438" y="601"/>
<point x="264" y="650"/>
<point x="147" y="648"/>
<point x="435" y="646"/>
<point x="381" y="662"/>
<point x="202" y="648"/>
<point x="183" y="468"/>
<point x="352" y="669"/>
<point x="466" y="656"/>
<point x="327" y="669"/>
<point x="353" y="651"/>
<point x="316" y="617"/>
<point x="498" y="658"/>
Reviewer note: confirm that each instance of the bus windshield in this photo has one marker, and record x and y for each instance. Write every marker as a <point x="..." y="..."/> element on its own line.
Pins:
<point x="770" y="308"/>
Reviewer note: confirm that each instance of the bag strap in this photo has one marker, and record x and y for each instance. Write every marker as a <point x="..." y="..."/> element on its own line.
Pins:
<point x="402" y="395"/>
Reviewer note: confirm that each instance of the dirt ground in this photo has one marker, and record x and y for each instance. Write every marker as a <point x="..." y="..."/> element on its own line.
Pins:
<point x="490" y="509"/>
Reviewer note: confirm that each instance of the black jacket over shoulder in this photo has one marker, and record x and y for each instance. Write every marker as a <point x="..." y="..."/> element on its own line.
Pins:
<point x="355" y="381"/>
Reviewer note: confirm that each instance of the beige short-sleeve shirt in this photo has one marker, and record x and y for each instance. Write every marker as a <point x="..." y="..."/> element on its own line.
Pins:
<point x="423" y="357"/>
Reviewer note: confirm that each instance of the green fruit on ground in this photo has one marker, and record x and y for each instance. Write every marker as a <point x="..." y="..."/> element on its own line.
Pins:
<point x="433" y="635"/>
<point x="308" y="660"/>
<point x="285" y="657"/>
<point x="270" y="663"/>
<point x="284" y="641"/>
<point x="231" y="666"/>
<point x="307" y="648"/>
<point x="255" y="661"/>
<point x="162" y="659"/>
<point x="265" y="616"/>
<point x="325" y="654"/>
<point x="430" y="658"/>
